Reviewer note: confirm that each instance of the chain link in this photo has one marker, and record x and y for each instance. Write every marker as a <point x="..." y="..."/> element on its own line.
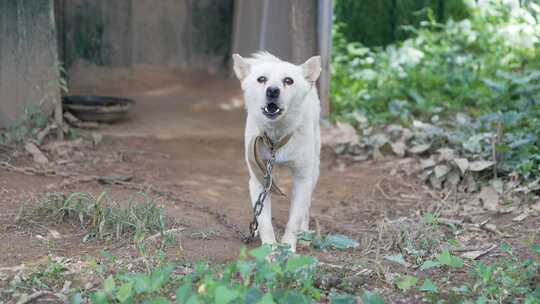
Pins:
<point x="259" y="203"/>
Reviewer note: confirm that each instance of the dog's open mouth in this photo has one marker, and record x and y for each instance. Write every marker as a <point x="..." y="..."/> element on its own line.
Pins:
<point x="272" y="110"/>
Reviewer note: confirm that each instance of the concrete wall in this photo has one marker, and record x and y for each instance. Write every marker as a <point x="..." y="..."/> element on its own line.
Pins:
<point x="28" y="56"/>
<point x="288" y="30"/>
<point x="164" y="33"/>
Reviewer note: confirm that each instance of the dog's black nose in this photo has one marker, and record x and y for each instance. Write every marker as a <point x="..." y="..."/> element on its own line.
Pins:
<point x="272" y="92"/>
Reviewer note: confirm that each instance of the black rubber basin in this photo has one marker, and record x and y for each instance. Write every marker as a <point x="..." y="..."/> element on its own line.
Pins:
<point x="106" y="109"/>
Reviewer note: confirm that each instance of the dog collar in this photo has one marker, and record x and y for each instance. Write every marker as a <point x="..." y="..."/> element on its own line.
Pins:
<point x="255" y="159"/>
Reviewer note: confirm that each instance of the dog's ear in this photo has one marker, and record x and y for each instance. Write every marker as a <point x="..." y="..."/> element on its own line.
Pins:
<point x="312" y="68"/>
<point x="241" y="67"/>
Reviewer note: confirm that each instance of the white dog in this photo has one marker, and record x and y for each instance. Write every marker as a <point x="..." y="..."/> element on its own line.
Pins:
<point x="283" y="110"/>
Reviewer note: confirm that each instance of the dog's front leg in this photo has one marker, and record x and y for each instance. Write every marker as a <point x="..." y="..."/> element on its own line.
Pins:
<point x="300" y="203"/>
<point x="266" y="231"/>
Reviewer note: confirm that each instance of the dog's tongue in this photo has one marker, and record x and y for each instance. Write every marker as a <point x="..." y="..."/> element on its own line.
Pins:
<point x="272" y="108"/>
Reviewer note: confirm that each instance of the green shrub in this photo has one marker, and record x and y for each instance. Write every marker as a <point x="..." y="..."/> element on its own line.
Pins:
<point x="376" y="23"/>
<point x="253" y="278"/>
<point x="486" y="66"/>
<point x="509" y="279"/>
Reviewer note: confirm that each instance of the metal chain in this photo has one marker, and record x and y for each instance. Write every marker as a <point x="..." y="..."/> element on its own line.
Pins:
<point x="259" y="204"/>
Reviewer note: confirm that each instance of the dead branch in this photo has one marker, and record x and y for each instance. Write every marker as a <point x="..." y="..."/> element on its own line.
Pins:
<point x="42" y="293"/>
<point x="157" y="235"/>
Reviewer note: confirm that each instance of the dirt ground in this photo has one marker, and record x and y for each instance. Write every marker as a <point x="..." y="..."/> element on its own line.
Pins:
<point x="190" y="142"/>
<point x="184" y="137"/>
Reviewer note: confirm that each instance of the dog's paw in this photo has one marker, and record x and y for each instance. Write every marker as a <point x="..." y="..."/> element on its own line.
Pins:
<point x="290" y="241"/>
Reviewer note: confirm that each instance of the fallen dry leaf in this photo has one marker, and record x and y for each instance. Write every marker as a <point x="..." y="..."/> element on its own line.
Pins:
<point x="445" y="154"/>
<point x="480" y="165"/>
<point x="340" y="133"/>
<point x="418" y="149"/>
<point x="441" y="171"/>
<point x="491" y="228"/>
<point x="536" y="206"/>
<point x="55" y="234"/>
<point x="469" y="184"/>
<point x="427" y="163"/>
<point x="36" y="153"/>
<point x="453" y="177"/>
<point x="498" y="185"/>
<point x="435" y="181"/>
<point x="521" y="217"/>
<point x="489" y="198"/>
<point x="475" y="254"/>
<point x="398" y="148"/>
<point x="64" y="148"/>
<point x="462" y="163"/>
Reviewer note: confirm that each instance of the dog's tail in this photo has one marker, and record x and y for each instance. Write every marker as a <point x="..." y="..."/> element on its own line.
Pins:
<point x="262" y="56"/>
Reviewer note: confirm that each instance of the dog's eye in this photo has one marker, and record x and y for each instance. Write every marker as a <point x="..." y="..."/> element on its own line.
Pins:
<point x="261" y="79"/>
<point x="288" y="81"/>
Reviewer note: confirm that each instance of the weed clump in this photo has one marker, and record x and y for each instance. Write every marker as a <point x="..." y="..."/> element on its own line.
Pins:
<point x="102" y="217"/>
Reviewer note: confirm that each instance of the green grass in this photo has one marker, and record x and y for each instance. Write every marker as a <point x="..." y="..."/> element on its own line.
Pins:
<point x="100" y="216"/>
